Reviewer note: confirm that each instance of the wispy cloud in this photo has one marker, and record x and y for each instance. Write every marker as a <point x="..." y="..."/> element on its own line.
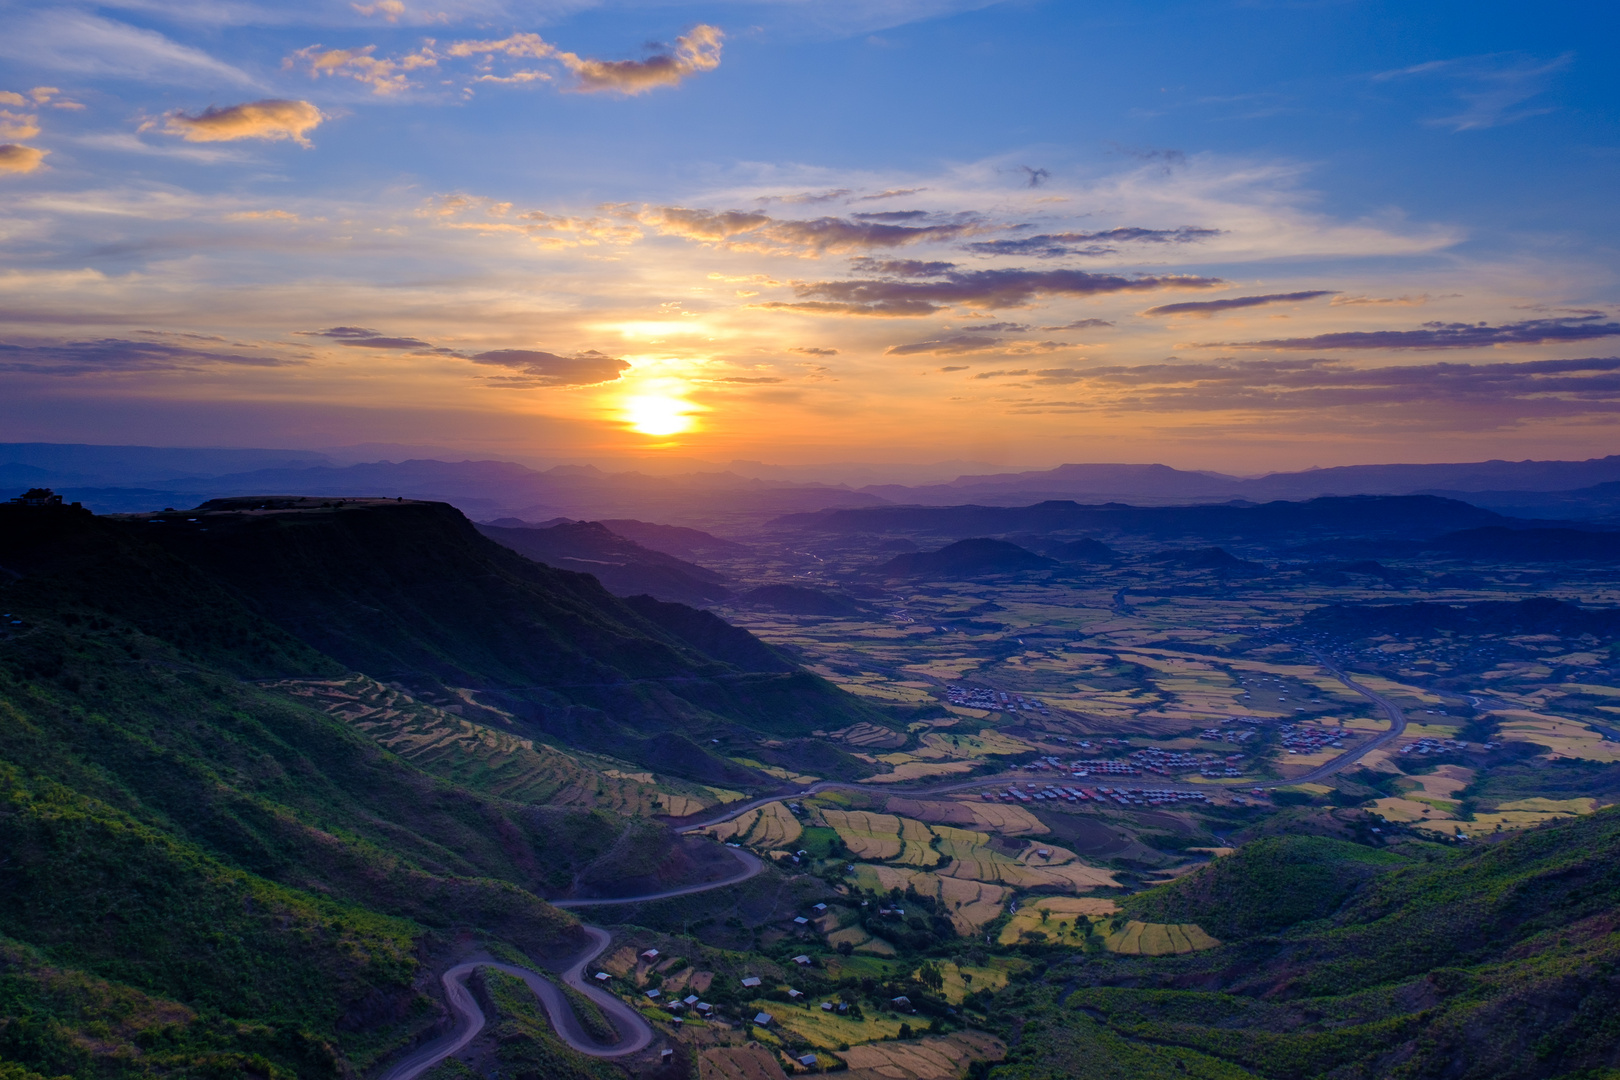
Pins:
<point x="1330" y="391"/>
<point x="754" y="231"/>
<point x="1105" y="242"/>
<point x="121" y="356"/>
<point x="63" y="39"/>
<point x="979" y="289"/>
<point x="963" y="344"/>
<point x="1492" y="89"/>
<point x="1439" y="335"/>
<point x="1214" y="307"/>
<point x="532" y="367"/>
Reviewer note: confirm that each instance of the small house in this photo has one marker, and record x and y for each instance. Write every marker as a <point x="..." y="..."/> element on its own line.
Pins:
<point x="826" y="1006"/>
<point x="751" y="981"/>
<point x="763" y="1019"/>
<point x="602" y="976"/>
<point x="819" y="909"/>
<point x="801" y="920"/>
<point x="808" y="1060"/>
<point x="901" y="1002"/>
<point x="650" y="954"/>
<point x="652" y="995"/>
<point x="795" y="994"/>
<point x="690" y="999"/>
<point x="802" y="960"/>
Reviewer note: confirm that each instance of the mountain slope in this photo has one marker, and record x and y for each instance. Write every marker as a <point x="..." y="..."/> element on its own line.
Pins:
<point x="412" y="592"/>
<point x="624" y="567"/>
<point x="1491" y="963"/>
<point x="966" y="558"/>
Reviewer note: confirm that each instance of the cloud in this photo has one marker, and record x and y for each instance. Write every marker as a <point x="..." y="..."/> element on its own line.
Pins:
<point x="962" y="344"/>
<point x="359" y="337"/>
<point x="1079" y="324"/>
<point x="900" y="267"/>
<point x="1440" y="393"/>
<point x="383" y="76"/>
<point x="63" y="39"/>
<point x="588" y="368"/>
<point x="891" y="215"/>
<point x="754" y="231"/>
<point x="20" y="159"/>
<point x="18" y="125"/>
<point x="981" y="289"/>
<point x="997" y="328"/>
<point x="109" y="356"/>
<point x="388" y="9"/>
<point x="1438" y="335"/>
<point x="545" y="230"/>
<point x="1054" y="245"/>
<point x="695" y="52"/>
<point x="536" y="368"/>
<point x="1211" y="307"/>
<point x="1036" y="177"/>
<point x="1491" y="88"/>
<point x="892" y="193"/>
<point x="272" y="119"/>
<point x="1400" y="301"/>
<point x="814" y="352"/>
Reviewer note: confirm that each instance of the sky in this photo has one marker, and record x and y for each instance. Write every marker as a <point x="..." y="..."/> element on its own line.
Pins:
<point x="1244" y="235"/>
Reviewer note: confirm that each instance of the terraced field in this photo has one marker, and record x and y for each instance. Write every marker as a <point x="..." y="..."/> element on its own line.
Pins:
<point x="770" y="826"/>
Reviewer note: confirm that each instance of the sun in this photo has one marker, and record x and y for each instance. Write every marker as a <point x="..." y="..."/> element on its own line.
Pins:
<point x="658" y="415"/>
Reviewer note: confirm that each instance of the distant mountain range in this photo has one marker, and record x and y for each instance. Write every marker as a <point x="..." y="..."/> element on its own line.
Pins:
<point x="108" y="479"/>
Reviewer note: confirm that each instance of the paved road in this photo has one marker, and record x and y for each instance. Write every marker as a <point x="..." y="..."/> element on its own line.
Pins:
<point x="1397" y="725"/>
<point x="751" y="865"/>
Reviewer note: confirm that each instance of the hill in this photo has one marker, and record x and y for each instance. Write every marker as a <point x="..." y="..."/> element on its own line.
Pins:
<point x="1498" y="544"/>
<point x="966" y="558"/>
<point x="1213" y="558"/>
<point x="413" y="593"/>
<point x="1405" y="517"/>
<point x="624" y="567"/>
<point x="1343" y="961"/>
<point x="1085" y="550"/>
<point x="798" y="600"/>
<point x="203" y="874"/>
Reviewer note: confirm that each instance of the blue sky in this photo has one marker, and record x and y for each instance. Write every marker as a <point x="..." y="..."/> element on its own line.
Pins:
<point x="815" y="231"/>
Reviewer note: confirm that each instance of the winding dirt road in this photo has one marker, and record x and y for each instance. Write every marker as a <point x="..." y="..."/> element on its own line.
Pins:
<point x="634" y="1032"/>
<point x="470" y="1018"/>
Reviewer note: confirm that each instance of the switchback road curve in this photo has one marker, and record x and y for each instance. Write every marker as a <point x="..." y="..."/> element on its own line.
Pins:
<point x="634" y="1032"/>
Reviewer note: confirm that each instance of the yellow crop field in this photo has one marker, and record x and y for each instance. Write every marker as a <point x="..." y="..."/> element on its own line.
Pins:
<point x="829" y="1030"/>
<point x="770" y="826"/>
<point x="1562" y="738"/>
<point x="970" y="905"/>
<point x="1058" y="917"/>
<point x="738" y="1063"/>
<point x="1028" y="869"/>
<point x="1159" y="939"/>
<point x="883" y="837"/>
<point x="993" y="817"/>
<point x="908" y="768"/>
<point x="962" y="981"/>
<point x="933" y="1057"/>
<point x="477" y="756"/>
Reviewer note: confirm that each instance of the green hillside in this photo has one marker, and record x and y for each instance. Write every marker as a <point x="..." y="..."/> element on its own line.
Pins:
<point x="205" y="874"/>
<point x="1492" y="962"/>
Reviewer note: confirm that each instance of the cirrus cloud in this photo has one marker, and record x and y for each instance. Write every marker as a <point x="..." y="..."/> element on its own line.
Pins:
<point x="1206" y="308"/>
<point x="1439" y="335"/>
<point x="980" y="289"/>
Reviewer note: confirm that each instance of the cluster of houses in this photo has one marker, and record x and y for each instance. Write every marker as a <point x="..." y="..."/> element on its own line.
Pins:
<point x="1435" y="746"/>
<point x="1307" y="739"/>
<point x="978" y="697"/>
<point x="1122" y="796"/>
